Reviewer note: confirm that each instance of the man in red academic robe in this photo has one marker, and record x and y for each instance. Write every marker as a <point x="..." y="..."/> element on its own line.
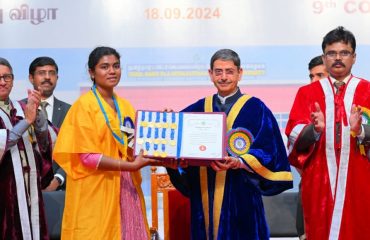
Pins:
<point x="327" y="131"/>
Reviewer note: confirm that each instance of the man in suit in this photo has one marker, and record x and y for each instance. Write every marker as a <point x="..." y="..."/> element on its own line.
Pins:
<point x="43" y="74"/>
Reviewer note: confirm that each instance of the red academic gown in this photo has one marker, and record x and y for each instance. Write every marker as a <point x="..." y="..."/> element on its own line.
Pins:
<point x="335" y="189"/>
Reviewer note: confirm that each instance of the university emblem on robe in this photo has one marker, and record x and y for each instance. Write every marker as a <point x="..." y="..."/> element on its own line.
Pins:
<point x="239" y="141"/>
<point x="365" y="120"/>
<point x="127" y="122"/>
<point x="129" y="129"/>
<point x="365" y="115"/>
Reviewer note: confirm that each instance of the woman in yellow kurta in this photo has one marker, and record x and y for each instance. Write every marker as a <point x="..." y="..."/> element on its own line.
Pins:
<point x="104" y="199"/>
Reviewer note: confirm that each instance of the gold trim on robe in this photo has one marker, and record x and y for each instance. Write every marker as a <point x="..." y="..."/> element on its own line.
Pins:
<point x="221" y="175"/>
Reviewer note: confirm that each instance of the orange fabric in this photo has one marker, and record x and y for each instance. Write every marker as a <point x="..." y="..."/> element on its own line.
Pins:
<point x="92" y="207"/>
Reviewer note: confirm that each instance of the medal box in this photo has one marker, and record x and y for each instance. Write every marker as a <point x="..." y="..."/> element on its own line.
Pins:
<point x="197" y="137"/>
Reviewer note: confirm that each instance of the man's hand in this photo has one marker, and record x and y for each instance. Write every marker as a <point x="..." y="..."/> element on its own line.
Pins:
<point x="233" y="162"/>
<point x="218" y="165"/>
<point x="33" y="102"/>
<point x="355" y="120"/>
<point x="54" y="184"/>
<point x="225" y="164"/>
<point x="167" y="110"/>
<point x="318" y="119"/>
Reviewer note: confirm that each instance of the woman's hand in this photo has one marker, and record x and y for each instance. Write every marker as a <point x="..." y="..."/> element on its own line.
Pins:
<point x="141" y="161"/>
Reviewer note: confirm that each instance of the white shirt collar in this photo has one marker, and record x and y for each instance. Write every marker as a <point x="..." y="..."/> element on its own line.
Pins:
<point x="49" y="107"/>
<point x="223" y="99"/>
<point x="49" y="100"/>
<point x="345" y="80"/>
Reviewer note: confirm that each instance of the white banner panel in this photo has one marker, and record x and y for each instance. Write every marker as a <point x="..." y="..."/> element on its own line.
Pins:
<point x="166" y="42"/>
<point x="180" y="23"/>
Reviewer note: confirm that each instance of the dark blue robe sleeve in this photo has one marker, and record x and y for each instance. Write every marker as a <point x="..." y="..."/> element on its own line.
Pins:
<point x="179" y="180"/>
<point x="268" y="161"/>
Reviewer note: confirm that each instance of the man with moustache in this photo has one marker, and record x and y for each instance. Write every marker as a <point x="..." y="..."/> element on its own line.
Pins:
<point x="325" y="136"/>
<point x="43" y="74"/>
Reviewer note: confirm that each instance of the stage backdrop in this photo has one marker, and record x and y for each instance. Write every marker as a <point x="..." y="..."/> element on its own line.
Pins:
<point x="166" y="45"/>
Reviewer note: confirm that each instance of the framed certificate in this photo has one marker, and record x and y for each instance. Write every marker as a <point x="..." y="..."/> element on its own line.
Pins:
<point x="198" y="137"/>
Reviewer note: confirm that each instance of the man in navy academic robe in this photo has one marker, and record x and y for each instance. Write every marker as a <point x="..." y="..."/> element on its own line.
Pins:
<point x="226" y="197"/>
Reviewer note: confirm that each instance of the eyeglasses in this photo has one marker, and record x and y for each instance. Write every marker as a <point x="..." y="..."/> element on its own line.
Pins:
<point x="220" y="72"/>
<point x="43" y="73"/>
<point x="7" y="77"/>
<point x="342" y="54"/>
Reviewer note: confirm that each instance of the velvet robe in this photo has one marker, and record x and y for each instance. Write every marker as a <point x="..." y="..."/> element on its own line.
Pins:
<point x="10" y="223"/>
<point x="228" y="204"/>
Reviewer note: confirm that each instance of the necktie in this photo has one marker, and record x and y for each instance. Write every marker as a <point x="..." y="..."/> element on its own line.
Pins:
<point x="43" y="106"/>
<point x="339" y="85"/>
<point x="340" y="115"/>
